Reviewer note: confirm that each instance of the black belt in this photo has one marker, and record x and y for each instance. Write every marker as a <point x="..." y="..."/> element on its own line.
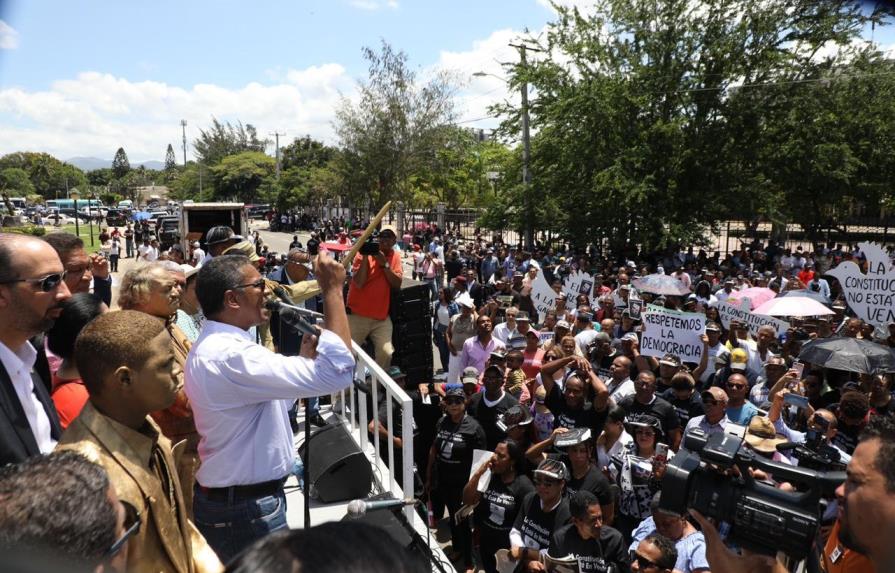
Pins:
<point x="262" y="489"/>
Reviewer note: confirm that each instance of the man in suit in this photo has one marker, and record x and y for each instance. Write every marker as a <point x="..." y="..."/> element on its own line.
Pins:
<point x="32" y="290"/>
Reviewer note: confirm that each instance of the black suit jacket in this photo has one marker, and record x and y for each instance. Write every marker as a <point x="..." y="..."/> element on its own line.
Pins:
<point x="17" y="442"/>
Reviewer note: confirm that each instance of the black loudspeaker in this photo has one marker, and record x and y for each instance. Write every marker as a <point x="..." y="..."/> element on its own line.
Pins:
<point x="411" y="314"/>
<point x="339" y="471"/>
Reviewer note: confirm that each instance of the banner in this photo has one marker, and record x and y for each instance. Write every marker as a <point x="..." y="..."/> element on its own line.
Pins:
<point x="672" y="332"/>
<point x="872" y="295"/>
<point x="742" y="313"/>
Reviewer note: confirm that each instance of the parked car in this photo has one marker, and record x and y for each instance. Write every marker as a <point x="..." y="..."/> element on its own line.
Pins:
<point x="57" y="220"/>
<point x="168" y="231"/>
<point x="116" y="218"/>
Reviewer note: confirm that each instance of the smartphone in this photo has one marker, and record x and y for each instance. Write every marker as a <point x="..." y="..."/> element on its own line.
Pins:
<point x="799" y="367"/>
<point x="796" y="400"/>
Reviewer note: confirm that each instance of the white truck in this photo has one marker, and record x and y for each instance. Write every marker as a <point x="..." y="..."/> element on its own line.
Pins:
<point x="197" y="218"/>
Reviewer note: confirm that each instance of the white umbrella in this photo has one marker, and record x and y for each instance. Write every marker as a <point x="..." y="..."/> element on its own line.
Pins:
<point x="792" y="306"/>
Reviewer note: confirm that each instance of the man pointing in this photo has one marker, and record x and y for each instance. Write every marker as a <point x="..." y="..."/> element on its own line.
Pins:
<point x="240" y="393"/>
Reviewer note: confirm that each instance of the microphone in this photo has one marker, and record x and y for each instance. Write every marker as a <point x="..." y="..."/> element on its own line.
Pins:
<point x="287" y="302"/>
<point x="290" y="315"/>
<point x="359" y="507"/>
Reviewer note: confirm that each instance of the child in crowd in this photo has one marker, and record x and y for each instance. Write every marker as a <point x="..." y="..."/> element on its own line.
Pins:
<point x="515" y="380"/>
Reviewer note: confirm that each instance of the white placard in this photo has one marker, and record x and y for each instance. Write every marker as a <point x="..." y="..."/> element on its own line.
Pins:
<point x="672" y="332"/>
<point x="742" y="313"/>
<point x="870" y="295"/>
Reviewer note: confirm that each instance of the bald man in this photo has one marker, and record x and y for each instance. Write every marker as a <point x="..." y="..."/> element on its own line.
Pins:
<point x="32" y="290"/>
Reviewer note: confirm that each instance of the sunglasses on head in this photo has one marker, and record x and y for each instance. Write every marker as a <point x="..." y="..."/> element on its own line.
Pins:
<point x="46" y="283"/>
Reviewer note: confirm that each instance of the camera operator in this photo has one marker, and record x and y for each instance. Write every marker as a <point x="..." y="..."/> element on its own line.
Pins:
<point x="373" y="278"/>
<point x="821" y="428"/>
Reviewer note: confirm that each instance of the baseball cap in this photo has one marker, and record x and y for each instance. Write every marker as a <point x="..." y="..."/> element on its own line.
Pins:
<point x="563" y="324"/>
<point x="671" y="360"/>
<point x="455" y="392"/>
<point x="631" y="336"/>
<point x="498" y="355"/>
<point x="388" y="229"/>
<point x="533" y="332"/>
<point x="712" y="327"/>
<point x="470" y="375"/>
<point x="221" y="234"/>
<point x="738" y="359"/>
<point x="196" y="244"/>
<point x="522" y="316"/>
<point x="394" y="373"/>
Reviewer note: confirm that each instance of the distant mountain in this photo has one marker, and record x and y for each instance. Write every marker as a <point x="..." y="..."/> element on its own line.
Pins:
<point x="91" y="163"/>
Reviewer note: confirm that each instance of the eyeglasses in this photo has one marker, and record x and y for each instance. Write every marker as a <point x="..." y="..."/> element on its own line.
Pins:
<point x="132" y="524"/>
<point x="260" y="283"/>
<point x="46" y="283"/>
<point x="642" y="561"/>
<point x="546" y="482"/>
<point x="80" y="269"/>
<point x="736" y="386"/>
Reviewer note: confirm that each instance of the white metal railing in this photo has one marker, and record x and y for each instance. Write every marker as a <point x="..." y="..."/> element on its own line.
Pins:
<point x="358" y="420"/>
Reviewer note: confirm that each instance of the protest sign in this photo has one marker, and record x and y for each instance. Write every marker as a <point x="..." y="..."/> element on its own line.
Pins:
<point x="543" y="296"/>
<point x="728" y="312"/>
<point x="576" y="284"/>
<point x="872" y="295"/>
<point x="635" y="307"/>
<point x="672" y="332"/>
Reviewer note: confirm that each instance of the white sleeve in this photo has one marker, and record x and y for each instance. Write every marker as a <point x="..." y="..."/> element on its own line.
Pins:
<point x="516" y="538"/>
<point x="255" y="374"/>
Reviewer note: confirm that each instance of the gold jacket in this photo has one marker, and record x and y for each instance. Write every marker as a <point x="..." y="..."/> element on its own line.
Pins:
<point x="167" y="540"/>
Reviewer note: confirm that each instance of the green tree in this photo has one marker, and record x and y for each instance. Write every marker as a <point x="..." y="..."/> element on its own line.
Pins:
<point x="100" y="177"/>
<point x="50" y="177"/>
<point x="640" y="130"/>
<point x="393" y="129"/>
<point x="240" y="176"/>
<point x="14" y="181"/>
<point x="223" y="139"/>
<point x="306" y="152"/>
<point x="170" y="162"/>
<point x="120" y="164"/>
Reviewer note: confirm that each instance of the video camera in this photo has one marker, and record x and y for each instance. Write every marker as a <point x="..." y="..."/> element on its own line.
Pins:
<point x="814" y="453"/>
<point x="371" y="246"/>
<point x="761" y="517"/>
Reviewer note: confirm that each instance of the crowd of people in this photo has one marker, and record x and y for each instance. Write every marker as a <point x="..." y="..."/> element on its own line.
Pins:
<point x="163" y="430"/>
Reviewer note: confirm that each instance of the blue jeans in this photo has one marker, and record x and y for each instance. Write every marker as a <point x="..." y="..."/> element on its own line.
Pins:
<point x="231" y="525"/>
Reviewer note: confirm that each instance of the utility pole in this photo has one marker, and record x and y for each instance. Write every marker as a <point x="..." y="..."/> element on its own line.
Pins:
<point x="526" y="151"/>
<point x="277" y="135"/>
<point x="183" y="125"/>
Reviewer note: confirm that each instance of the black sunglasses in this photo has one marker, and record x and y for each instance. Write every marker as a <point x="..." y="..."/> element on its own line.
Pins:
<point x="260" y="283"/>
<point x="46" y="283"/>
<point x="642" y="561"/>
<point x="132" y="524"/>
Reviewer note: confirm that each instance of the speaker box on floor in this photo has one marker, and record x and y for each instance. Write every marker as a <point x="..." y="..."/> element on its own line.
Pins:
<point x="339" y="471"/>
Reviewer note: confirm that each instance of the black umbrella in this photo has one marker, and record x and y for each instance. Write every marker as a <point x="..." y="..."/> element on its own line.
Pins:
<point x="849" y="354"/>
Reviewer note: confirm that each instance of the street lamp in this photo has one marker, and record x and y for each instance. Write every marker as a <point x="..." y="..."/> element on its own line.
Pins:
<point x="75" y="195"/>
<point x="526" y="156"/>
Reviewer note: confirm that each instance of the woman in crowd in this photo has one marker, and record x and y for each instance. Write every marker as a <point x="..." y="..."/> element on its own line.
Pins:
<point x="445" y="309"/>
<point x="585" y="476"/>
<point x="450" y="460"/>
<point x="460" y="328"/>
<point x="541" y="513"/>
<point x="637" y="473"/>
<point x="69" y="394"/>
<point x="614" y="439"/>
<point x="497" y="507"/>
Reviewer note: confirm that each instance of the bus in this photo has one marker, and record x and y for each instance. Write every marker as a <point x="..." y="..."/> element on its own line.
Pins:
<point x="70" y="203"/>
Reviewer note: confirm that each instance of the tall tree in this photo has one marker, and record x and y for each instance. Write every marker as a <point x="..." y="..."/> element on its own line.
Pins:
<point x="120" y="164"/>
<point x="50" y="177"/>
<point x="223" y="139"/>
<point x="240" y="176"/>
<point x="394" y="127"/>
<point x="170" y="162"/>
<point x="14" y="181"/>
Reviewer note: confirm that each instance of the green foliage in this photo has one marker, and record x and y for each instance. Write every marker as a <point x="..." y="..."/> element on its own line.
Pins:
<point x="120" y="165"/>
<point x="224" y="139"/>
<point x="14" y="181"/>
<point x="50" y="177"/>
<point x="170" y="162"/>
<point x="100" y="177"/>
<point x="240" y="176"/>
<point x="34" y="230"/>
<point x="642" y="136"/>
<point x="393" y="131"/>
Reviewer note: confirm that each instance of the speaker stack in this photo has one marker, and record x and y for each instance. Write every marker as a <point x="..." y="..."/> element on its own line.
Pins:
<point x="339" y="471"/>
<point x="411" y="313"/>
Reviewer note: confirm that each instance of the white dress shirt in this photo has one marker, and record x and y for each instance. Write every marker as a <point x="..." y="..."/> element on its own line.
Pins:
<point x="19" y="365"/>
<point x="240" y="393"/>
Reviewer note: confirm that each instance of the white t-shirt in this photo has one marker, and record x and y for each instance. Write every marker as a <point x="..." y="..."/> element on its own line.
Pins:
<point x="198" y="256"/>
<point x="714" y="351"/>
<point x="147" y="253"/>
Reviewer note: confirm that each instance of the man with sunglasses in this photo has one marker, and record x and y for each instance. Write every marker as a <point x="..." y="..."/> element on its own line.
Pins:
<point x="655" y="554"/>
<point x="127" y="363"/>
<point x="714" y="402"/>
<point x="240" y="394"/>
<point x="32" y="290"/>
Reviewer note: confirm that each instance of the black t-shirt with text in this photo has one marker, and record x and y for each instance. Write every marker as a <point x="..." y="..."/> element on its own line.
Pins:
<point x="487" y="416"/>
<point x="565" y="417"/>
<point x="537" y="525"/>
<point x="594" y="555"/>
<point x="500" y="503"/>
<point x="686" y="409"/>
<point x="454" y="444"/>
<point x="593" y="481"/>
<point x="659" y="407"/>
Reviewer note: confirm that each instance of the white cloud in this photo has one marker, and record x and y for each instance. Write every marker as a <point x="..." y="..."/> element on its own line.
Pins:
<point x="95" y="113"/>
<point x="373" y="5"/>
<point x="9" y="37"/>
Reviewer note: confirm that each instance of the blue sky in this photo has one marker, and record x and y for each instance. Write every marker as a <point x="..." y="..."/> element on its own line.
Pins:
<point x="84" y="77"/>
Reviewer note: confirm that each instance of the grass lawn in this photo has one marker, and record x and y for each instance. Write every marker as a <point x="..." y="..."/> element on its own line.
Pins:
<point x="84" y="233"/>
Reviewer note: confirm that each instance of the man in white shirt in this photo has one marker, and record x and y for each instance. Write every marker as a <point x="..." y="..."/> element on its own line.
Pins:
<point x="240" y="394"/>
<point x="147" y="252"/>
<point x="32" y="289"/>
<point x="505" y="330"/>
<point x="714" y="401"/>
<point x="715" y="349"/>
<point x="198" y="255"/>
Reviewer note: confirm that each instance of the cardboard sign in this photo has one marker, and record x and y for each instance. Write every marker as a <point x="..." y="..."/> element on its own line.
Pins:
<point x="729" y="312"/>
<point x="872" y="295"/>
<point x="672" y="332"/>
<point x="576" y="284"/>
<point x="543" y="296"/>
<point x="635" y="307"/>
